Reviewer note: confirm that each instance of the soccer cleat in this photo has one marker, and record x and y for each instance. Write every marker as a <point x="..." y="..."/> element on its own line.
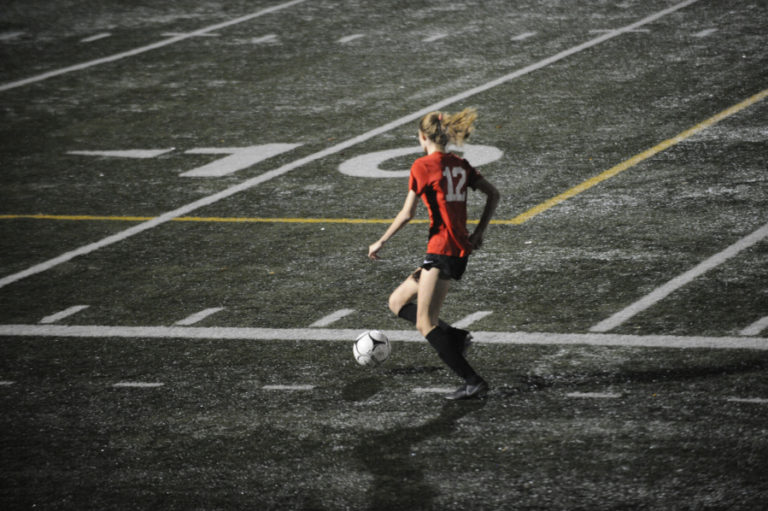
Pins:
<point x="468" y="391"/>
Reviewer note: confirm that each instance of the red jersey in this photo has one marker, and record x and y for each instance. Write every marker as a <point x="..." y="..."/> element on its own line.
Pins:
<point x="441" y="179"/>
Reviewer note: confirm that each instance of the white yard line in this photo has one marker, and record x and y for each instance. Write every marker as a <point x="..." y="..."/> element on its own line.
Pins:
<point x="673" y="285"/>
<point x="53" y="318"/>
<point x="144" y="49"/>
<point x="348" y="335"/>
<point x="272" y="174"/>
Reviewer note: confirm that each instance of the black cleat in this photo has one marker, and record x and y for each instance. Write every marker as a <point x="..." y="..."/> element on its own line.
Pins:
<point x="468" y="391"/>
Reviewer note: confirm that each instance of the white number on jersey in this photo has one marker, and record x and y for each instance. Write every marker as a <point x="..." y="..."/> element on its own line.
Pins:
<point x="455" y="192"/>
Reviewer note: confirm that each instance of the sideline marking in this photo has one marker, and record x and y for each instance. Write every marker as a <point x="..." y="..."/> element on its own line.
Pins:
<point x="288" y="387"/>
<point x="144" y="49"/>
<point x="137" y="385"/>
<point x="269" y="175"/>
<point x="332" y="318"/>
<point x="662" y="292"/>
<point x="348" y="334"/>
<point x="627" y="164"/>
<point x="756" y="327"/>
<point x="211" y="219"/>
<point x="53" y="318"/>
<point x="198" y="316"/>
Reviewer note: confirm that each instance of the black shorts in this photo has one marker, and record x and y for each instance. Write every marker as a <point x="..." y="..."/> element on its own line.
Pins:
<point x="451" y="267"/>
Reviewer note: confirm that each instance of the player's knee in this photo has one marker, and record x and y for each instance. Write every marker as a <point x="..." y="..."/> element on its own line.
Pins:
<point x="395" y="303"/>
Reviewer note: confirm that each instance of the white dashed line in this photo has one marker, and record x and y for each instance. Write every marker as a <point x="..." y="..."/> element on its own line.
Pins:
<point x="137" y="385"/>
<point x="96" y="37"/>
<point x="53" y="318"/>
<point x="198" y="316"/>
<point x="705" y="33"/>
<point x="594" y="395"/>
<point x="472" y="318"/>
<point x="350" y="38"/>
<point x="756" y="327"/>
<point x="752" y="400"/>
<point x="433" y="390"/>
<point x="288" y="387"/>
<point x="332" y="318"/>
<point x="523" y="36"/>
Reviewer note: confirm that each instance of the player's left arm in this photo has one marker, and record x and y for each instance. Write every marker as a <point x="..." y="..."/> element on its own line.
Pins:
<point x="405" y="215"/>
<point x="491" y="201"/>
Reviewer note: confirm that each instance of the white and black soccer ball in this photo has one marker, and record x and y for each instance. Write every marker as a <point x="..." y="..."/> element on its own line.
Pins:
<point x="371" y="348"/>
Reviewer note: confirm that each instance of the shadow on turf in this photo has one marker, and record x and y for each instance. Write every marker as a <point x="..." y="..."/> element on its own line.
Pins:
<point x="397" y="469"/>
<point x="534" y="383"/>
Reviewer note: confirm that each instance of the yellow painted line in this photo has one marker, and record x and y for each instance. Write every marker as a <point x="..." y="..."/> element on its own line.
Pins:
<point x="519" y="219"/>
<point x="209" y="219"/>
<point x="628" y="164"/>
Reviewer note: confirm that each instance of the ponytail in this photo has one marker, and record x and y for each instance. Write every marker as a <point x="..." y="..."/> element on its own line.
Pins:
<point x="443" y="128"/>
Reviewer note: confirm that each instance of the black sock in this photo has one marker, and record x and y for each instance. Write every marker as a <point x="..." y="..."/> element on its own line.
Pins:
<point x="448" y="352"/>
<point x="408" y="313"/>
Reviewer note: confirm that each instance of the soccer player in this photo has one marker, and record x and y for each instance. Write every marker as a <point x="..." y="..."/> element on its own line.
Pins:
<point x="441" y="179"/>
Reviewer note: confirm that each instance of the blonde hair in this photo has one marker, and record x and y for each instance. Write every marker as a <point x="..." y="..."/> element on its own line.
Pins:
<point x="443" y="128"/>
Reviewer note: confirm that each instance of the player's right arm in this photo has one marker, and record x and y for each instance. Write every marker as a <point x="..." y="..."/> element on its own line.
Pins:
<point x="403" y="217"/>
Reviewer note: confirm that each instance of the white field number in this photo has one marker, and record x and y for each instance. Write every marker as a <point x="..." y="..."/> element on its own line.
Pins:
<point x="366" y="165"/>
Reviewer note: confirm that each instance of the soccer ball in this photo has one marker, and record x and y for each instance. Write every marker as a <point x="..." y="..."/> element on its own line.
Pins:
<point x="371" y="348"/>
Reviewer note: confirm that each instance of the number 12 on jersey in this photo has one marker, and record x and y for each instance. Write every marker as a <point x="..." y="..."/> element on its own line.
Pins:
<point x="455" y="191"/>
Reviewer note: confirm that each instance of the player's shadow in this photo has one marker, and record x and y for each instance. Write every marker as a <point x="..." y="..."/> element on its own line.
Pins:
<point x="398" y="473"/>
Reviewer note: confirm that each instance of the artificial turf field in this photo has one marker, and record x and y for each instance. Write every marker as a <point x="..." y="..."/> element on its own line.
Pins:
<point x="187" y="195"/>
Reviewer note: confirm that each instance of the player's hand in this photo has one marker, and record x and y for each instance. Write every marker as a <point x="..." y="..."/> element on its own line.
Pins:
<point x="373" y="250"/>
<point x="476" y="239"/>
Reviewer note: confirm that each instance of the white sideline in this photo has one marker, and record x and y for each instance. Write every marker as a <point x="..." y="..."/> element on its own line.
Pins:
<point x="250" y="183"/>
<point x="662" y="292"/>
<point x="348" y="335"/>
<point x="144" y="49"/>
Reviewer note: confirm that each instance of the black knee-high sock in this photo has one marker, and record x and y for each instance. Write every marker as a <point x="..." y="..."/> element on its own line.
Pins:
<point x="408" y="313"/>
<point x="448" y="352"/>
